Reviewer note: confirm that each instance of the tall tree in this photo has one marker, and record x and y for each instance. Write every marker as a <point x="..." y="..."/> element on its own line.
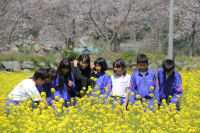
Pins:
<point x="188" y="16"/>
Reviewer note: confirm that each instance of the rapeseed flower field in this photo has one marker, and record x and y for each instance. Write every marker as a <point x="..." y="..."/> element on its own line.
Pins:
<point x="91" y="115"/>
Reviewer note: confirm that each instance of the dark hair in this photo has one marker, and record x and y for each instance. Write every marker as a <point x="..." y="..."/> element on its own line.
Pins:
<point x="142" y="58"/>
<point x="87" y="70"/>
<point x="120" y="63"/>
<point x="168" y="65"/>
<point x="84" y="56"/>
<point x="51" y="73"/>
<point x="102" y="62"/>
<point x="40" y="73"/>
<point x="65" y="63"/>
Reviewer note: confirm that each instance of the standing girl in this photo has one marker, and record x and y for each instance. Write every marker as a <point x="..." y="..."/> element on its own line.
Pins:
<point x="64" y="83"/>
<point x="120" y="82"/>
<point x="81" y="70"/>
<point x="103" y="82"/>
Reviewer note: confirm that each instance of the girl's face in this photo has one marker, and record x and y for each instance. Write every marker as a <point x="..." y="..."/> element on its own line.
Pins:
<point x="83" y="64"/>
<point x="118" y="70"/>
<point x="48" y="80"/>
<point x="98" y="68"/>
<point x="40" y="81"/>
<point x="65" y="71"/>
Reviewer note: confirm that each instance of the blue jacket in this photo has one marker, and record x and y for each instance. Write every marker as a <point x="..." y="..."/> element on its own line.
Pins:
<point x="142" y="86"/>
<point x="46" y="87"/>
<point x="103" y="80"/>
<point x="63" y="93"/>
<point x="172" y="86"/>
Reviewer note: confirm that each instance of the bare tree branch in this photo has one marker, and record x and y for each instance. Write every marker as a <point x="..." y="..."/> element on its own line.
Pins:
<point x="99" y="29"/>
<point x="13" y="28"/>
<point x="3" y="14"/>
<point x="188" y="9"/>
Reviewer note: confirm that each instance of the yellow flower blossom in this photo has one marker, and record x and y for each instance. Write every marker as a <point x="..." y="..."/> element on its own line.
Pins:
<point x="61" y="100"/>
<point x="84" y="88"/>
<point x="152" y="88"/>
<point x="96" y="115"/>
<point x="95" y="79"/>
<point x="52" y="90"/>
<point x="151" y="95"/>
<point x="132" y="93"/>
<point x="138" y="96"/>
<point x="106" y="88"/>
<point x="56" y="97"/>
<point x="43" y="94"/>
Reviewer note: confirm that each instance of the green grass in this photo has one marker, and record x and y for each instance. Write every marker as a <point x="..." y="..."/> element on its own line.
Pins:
<point x="129" y="55"/>
<point x="188" y="63"/>
<point x="28" y="57"/>
<point x="182" y="58"/>
<point x="135" y="41"/>
<point x="132" y="56"/>
<point x="153" y="57"/>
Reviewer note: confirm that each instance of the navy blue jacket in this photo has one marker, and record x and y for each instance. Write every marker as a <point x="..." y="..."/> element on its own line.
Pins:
<point x="172" y="86"/>
<point x="46" y="87"/>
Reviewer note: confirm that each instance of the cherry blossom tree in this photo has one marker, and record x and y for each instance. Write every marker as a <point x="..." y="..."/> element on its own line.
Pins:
<point x="188" y="16"/>
<point x="110" y="20"/>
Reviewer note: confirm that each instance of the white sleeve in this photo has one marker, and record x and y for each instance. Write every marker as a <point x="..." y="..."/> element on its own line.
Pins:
<point x="128" y="81"/>
<point x="33" y="92"/>
<point x="112" y="78"/>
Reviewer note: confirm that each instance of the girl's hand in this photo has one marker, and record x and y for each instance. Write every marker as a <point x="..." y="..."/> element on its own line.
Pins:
<point x="45" y="104"/>
<point x="76" y="63"/>
<point x="70" y="83"/>
<point x="92" y="67"/>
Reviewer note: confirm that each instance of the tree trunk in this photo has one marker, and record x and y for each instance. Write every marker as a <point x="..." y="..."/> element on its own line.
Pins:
<point x="190" y="49"/>
<point x="191" y="46"/>
<point x="108" y="46"/>
<point x="191" y="43"/>
<point x="73" y="32"/>
<point x="160" y="43"/>
<point x="110" y="41"/>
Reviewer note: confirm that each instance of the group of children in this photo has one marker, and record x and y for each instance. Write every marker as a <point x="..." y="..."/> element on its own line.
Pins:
<point x="70" y="79"/>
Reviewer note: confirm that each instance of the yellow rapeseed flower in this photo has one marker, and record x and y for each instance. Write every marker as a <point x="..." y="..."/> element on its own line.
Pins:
<point x="84" y="88"/>
<point x="43" y="94"/>
<point x="61" y="100"/>
<point x="106" y="88"/>
<point x="138" y="96"/>
<point x="152" y="88"/>
<point x="94" y="115"/>
<point x="52" y="90"/>
<point x="56" y="97"/>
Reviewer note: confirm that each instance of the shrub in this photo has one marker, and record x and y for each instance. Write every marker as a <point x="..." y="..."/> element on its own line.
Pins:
<point x="70" y="54"/>
<point x="129" y="55"/>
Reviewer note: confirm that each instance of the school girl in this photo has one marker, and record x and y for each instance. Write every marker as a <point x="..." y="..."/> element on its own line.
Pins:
<point x="64" y="83"/>
<point x="103" y="80"/>
<point x="120" y="82"/>
<point x="81" y="70"/>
